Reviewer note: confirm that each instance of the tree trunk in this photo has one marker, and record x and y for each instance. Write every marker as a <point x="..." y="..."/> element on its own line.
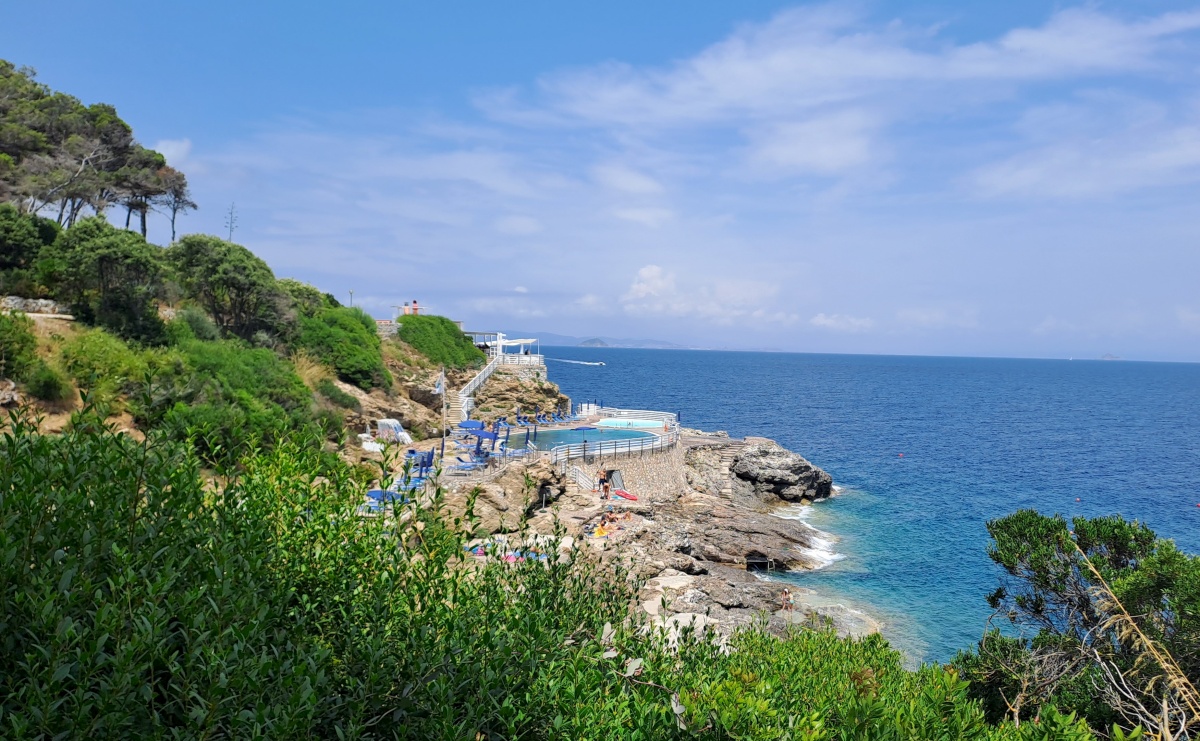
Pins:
<point x="174" y="212"/>
<point x="142" y="213"/>
<point x="128" y="215"/>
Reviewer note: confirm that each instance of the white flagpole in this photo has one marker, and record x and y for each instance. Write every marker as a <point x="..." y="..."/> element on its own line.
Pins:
<point x="443" y="380"/>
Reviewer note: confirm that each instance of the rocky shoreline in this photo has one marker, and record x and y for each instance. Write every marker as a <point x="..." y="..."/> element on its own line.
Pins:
<point x="704" y="536"/>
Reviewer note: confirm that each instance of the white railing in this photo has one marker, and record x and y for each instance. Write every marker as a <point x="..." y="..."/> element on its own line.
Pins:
<point x="465" y="401"/>
<point x="515" y="359"/>
<point x="668" y="417"/>
<point x="581" y="479"/>
<point x="563" y="453"/>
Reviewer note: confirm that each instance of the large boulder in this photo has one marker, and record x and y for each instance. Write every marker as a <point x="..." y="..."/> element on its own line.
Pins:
<point x="30" y="305"/>
<point x="501" y="503"/>
<point x="776" y="472"/>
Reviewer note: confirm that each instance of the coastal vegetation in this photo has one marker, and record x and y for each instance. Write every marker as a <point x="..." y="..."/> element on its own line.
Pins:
<point x="151" y="603"/>
<point x="440" y="340"/>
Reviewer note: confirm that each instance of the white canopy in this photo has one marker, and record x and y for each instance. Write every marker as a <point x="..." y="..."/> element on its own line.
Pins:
<point x="513" y="343"/>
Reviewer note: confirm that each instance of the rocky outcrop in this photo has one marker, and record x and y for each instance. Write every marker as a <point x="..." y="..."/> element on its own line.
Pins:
<point x="727" y="599"/>
<point x="9" y="396"/>
<point x="31" y="305"/>
<point x="501" y="503"/>
<point x="701" y="535"/>
<point x="507" y="391"/>
<point x="774" y="472"/>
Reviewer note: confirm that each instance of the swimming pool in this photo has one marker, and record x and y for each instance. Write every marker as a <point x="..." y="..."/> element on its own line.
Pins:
<point x="547" y="439"/>
<point x="621" y="422"/>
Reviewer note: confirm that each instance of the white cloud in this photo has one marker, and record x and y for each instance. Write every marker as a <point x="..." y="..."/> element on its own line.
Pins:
<point x="1053" y="325"/>
<point x="175" y="150"/>
<point x="655" y="292"/>
<point x="649" y="216"/>
<point x="521" y="289"/>
<point x="1188" y="319"/>
<point x="518" y="225"/>
<point x="810" y="57"/>
<point x="825" y="145"/>
<point x="626" y="179"/>
<point x="1099" y="148"/>
<point x="938" y="318"/>
<point x="841" y="322"/>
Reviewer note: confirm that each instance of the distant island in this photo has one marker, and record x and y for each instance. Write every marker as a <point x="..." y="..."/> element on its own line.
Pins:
<point x="594" y="342"/>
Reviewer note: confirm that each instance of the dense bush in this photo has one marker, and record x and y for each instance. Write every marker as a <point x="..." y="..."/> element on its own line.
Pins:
<point x="1108" y="622"/>
<point x="146" y="604"/>
<point x="203" y="328"/>
<point x="22" y="238"/>
<point x="47" y="383"/>
<point x="329" y="390"/>
<point x="18" y="346"/>
<point x="233" y="285"/>
<point x="346" y="340"/>
<point x="226" y="397"/>
<point x="110" y="277"/>
<point x="102" y="364"/>
<point x="306" y="300"/>
<point x="440" y="340"/>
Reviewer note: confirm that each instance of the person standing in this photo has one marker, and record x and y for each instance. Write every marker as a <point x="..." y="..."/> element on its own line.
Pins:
<point x="602" y="483"/>
<point x="789" y="602"/>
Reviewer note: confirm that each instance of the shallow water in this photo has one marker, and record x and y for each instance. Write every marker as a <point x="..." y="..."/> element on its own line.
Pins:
<point x="980" y="438"/>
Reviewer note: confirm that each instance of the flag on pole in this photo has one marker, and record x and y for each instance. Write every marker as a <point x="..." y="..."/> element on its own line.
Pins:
<point x="439" y="387"/>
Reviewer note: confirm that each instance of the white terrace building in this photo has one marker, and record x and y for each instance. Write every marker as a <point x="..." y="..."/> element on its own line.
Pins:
<point x="506" y="351"/>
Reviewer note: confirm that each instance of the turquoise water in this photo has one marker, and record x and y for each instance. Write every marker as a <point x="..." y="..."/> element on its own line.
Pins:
<point x="980" y="438"/>
<point x="547" y="439"/>
<point x="643" y="423"/>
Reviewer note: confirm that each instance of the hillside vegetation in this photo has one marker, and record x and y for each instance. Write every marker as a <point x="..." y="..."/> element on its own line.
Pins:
<point x="440" y="340"/>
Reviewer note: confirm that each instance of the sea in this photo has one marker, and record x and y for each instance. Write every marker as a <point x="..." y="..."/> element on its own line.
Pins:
<point x="925" y="451"/>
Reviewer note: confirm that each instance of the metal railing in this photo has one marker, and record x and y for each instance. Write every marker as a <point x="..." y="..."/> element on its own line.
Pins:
<point x="564" y="453"/>
<point x="465" y="402"/>
<point x="514" y="359"/>
<point x="581" y="479"/>
<point x="615" y="413"/>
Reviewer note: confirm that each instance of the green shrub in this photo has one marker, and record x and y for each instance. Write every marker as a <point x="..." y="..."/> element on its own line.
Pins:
<point x="111" y="277"/>
<point x="440" y="340"/>
<point x="147" y="604"/>
<point x="329" y="390"/>
<point x="228" y="398"/>
<point x="203" y="328"/>
<point x="102" y="363"/>
<point x="18" y="346"/>
<point x="46" y="383"/>
<point x="346" y="340"/>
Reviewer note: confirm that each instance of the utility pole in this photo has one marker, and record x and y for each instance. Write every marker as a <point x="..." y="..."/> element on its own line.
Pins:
<point x="352" y="297"/>
<point x="231" y="219"/>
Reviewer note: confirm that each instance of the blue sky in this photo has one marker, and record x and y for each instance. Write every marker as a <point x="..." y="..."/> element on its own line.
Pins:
<point x="925" y="177"/>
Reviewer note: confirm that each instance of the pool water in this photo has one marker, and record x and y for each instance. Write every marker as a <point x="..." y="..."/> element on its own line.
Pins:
<point x="547" y="439"/>
<point x="619" y="422"/>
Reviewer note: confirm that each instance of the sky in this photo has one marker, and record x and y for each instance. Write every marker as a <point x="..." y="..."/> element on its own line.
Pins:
<point x="942" y="178"/>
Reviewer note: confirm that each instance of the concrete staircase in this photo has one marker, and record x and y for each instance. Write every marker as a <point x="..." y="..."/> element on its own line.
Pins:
<point x="453" y="407"/>
<point x="728" y="453"/>
<point x="729" y="450"/>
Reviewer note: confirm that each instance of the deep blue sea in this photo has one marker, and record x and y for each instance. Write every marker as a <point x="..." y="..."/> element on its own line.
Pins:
<point x="980" y="438"/>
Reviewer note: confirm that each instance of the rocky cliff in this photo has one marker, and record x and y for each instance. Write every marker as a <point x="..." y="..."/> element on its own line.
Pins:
<point x="704" y="533"/>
